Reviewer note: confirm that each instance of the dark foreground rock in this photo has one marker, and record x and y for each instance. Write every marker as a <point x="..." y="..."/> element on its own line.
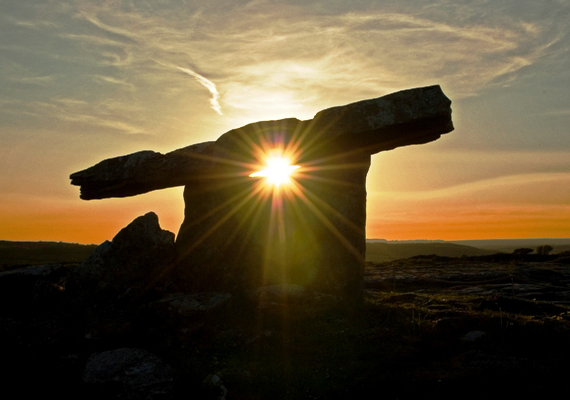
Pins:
<point x="128" y="373"/>
<point x="27" y="287"/>
<point x="137" y="259"/>
<point x="434" y="328"/>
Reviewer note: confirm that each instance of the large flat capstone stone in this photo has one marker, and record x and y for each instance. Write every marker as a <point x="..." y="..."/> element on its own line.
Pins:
<point x="412" y="116"/>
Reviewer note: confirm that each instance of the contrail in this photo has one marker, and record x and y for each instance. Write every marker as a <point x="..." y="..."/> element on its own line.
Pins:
<point x="208" y="85"/>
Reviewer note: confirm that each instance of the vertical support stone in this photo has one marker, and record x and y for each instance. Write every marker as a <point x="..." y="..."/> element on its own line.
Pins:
<point x="238" y="234"/>
<point x="341" y="223"/>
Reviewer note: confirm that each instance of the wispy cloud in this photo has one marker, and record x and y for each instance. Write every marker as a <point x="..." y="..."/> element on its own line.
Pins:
<point x="214" y="101"/>
<point x="103" y="117"/>
<point x="262" y="55"/>
<point x="489" y="188"/>
<point x="266" y="60"/>
<point x="557" y="113"/>
<point x="114" y="81"/>
<point x="35" y="80"/>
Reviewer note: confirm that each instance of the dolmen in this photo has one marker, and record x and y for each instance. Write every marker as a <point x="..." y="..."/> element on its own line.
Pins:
<point x="241" y="229"/>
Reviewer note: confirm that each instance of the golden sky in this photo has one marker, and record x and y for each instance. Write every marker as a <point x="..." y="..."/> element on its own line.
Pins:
<point x="81" y="81"/>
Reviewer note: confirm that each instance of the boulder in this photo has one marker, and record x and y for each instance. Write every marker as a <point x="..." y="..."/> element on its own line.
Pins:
<point x="136" y="259"/>
<point x="129" y="373"/>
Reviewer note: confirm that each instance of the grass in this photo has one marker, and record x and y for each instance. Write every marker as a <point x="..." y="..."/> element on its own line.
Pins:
<point x="16" y="254"/>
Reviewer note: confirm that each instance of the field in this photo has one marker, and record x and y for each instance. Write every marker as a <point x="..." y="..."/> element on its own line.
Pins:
<point x="433" y="327"/>
<point x="14" y="254"/>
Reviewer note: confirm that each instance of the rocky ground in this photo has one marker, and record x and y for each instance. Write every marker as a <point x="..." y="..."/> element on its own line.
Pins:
<point x="476" y="328"/>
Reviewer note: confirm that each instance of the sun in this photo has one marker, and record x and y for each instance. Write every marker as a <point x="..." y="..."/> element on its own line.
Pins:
<point x="277" y="171"/>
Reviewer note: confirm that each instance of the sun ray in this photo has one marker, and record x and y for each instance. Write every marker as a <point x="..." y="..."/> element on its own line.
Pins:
<point x="277" y="203"/>
<point x="277" y="171"/>
<point x="248" y="195"/>
<point x="326" y="221"/>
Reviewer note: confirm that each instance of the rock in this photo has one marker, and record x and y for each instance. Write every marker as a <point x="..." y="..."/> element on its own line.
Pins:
<point x="188" y="304"/>
<point x="137" y="257"/>
<point x="129" y="373"/>
<point x="520" y="306"/>
<point x="237" y="234"/>
<point x="412" y="116"/>
<point x="497" y="363"/>
<point x="142" y="172"/>
<point x="35" y="271"/>
<point x="290" y="290"/>
<point x="281" y="292"/>
<point x="214" y="385"/>
<point x="35" y="284"/>
<point x="472" y="336"/>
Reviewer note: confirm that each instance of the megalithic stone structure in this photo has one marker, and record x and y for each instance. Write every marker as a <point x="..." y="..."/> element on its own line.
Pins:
<point x="238" y="233"/>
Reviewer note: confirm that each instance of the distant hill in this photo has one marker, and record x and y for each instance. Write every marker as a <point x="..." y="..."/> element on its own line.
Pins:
<point x="28" y="253"/>
<point x="377" y="250"/>
<point x="509" y="245"/>
<point x="381" y="251"/>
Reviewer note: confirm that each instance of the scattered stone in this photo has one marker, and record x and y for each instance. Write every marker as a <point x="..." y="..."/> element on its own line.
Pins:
<point x="520" y="306"/>
<point x="213" y="383"/>
<point x="473" y="336"/>
<point x="33" y="284"/>
<point x="129" y="373"/>
<point x="135" y="260"/>
<point x="494" y="362"/>
<point x="188" y="304"/>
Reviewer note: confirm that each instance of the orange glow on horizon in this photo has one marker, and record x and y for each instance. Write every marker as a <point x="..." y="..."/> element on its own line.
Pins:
<point x="485" y="212"/>
<point x="459" y="223"/>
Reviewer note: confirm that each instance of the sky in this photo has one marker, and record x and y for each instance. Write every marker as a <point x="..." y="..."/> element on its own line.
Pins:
<point x="82" y="81"/>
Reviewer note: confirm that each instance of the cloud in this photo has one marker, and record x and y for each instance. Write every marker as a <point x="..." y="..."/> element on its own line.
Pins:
<point x="35" y="80"/>
<point x="208" y="85"/>
<point x="261" y="54"/>
<point x="114" y="81"/>
<point x="105" y="116"/>
<point x="537" y="188"/>
<point x="276" y="60"/>
<point x="557" y="113"/>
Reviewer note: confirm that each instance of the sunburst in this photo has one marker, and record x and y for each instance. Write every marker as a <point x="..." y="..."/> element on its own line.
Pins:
<point x="284" y="201"/>
<point x="277" y="171"/>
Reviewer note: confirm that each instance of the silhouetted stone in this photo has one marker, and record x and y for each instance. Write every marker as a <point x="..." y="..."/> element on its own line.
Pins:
<point x="412" y="116"/>
<point x="142" y="172"/>
<point x="238" y="235"/>
<point x="137" y="256"/>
